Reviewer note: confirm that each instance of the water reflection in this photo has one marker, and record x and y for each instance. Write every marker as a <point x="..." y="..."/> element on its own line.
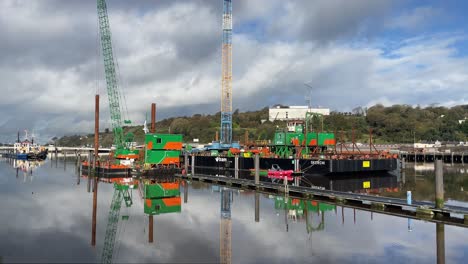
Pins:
<point x="440" y="237"/>
<point x="215" y="225"/>
<point x="370" y="184"/>
<point x="297" y="210"/>
<point x="26" y="167"/>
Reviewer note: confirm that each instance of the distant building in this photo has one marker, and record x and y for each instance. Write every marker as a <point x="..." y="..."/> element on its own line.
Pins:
<point x="284" y="113"/>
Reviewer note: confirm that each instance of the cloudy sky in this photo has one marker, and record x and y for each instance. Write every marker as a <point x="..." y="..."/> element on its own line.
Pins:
<point x="353" y="53"/>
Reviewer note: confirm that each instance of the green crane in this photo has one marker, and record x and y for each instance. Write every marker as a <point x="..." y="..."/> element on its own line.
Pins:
<point x="121" y="193"/>
<point x="121" y="142"/>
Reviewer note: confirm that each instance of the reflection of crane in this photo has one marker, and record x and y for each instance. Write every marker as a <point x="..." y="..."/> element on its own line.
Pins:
<point x="121" y="192"/>
<point x="122" y="143"/>
<point x="225" y="226"/>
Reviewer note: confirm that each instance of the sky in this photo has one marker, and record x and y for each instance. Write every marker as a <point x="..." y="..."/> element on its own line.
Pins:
<point x="353" y="53"/>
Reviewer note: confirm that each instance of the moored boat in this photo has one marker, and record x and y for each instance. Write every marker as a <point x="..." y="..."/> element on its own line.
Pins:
<point x="27" y="150"/>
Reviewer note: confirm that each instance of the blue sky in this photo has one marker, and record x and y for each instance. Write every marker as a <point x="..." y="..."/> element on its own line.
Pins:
<point x="354" y="53"/>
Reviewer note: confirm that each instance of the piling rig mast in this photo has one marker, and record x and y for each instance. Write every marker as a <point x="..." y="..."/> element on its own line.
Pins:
<point x="122" y="143"/>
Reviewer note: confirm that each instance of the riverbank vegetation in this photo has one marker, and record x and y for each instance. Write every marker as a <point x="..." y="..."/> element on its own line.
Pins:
<point x="394" y="124"/>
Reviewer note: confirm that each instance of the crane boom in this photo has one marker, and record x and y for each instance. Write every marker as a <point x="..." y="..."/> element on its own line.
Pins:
<point x="111" y="78"/>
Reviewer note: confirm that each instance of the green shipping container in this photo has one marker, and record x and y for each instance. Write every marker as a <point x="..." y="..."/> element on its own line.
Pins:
<point x="291" y="136"/>
<point x="326" y="139"/>
<point x="162" y="206"/>
<point x="161" y="190"/>
<point x="163" y="141"/>
<point x="280" y="138"/>
<point x="163" y="157"/>
<point x="311" y="139"/>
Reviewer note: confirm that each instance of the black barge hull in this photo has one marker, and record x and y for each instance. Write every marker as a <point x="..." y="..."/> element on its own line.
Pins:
<point x="211" y="165"/>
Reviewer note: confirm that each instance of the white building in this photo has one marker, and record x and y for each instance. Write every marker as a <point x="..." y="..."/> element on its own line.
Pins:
<point x="284" y="113"/>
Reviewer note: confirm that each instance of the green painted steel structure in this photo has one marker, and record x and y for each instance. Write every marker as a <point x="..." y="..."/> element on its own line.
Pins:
<point x="156" y="190"/>
<point x="113" y="92"/>
<point x="121" y="193"/>
<point x="157" y="206"/>
<point x="161" y="156"/>
<point x="304" y="139"/>
<point x="160" y="141"/>
<point x="163" y="149"/>
<point x="301" y="205"/>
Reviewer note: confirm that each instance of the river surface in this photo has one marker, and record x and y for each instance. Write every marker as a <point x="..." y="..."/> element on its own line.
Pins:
<point x="46" y="216"/>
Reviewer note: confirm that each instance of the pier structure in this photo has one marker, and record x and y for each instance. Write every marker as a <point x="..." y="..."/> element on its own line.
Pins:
<point x="446" y="157"/>
<point x="422" y="210"/>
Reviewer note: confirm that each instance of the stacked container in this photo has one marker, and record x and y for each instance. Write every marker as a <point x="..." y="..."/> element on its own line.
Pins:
<point x="163" y="149"/>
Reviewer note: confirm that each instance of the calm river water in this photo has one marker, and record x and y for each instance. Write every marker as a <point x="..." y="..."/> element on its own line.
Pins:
<point x="46" y="216"/>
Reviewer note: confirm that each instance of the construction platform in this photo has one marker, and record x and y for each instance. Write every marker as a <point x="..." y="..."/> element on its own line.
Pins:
<point x="223" y="165"/>
<point x="452" y="215"/>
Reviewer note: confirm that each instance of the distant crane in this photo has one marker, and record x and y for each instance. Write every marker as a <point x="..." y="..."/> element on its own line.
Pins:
<point x="122" y="143"/>
<point x="309" y="98"/>
<point x="226" y="78"/>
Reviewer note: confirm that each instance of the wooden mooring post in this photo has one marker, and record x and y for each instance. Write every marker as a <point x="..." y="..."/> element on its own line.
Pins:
<point x="257" y="169"/>
<point x="186" y="192"/>
<point x="96" y="131"/>
<point x="297" y="168"/>
<point x="93" y="231"/>
<point x="440" y="241"/>
<point x="193" y="164"/>
<point x="236" y="166"/>
<point x="439" y="184"/>
<point x="186" y="162"/>
<point x="89" y="164"/>
<point x="257" y="207"/>
<point x="150" y="229"/>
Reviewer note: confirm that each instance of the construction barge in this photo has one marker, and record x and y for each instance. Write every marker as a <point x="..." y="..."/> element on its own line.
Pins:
<point x="292" y="153"/>
<point x="226" y="166"/>
<point x="295" y="151"/>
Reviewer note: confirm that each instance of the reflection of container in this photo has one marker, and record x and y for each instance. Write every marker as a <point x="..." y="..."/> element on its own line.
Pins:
<point x="162" y="206"/>
<point x="158" y="190"/>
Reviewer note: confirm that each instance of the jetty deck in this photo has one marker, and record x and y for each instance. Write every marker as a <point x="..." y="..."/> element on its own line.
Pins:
<point x="450" y="214"/>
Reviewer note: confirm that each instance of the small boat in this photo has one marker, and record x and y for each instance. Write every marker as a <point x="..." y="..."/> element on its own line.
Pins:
<point x="27" y="150"/>
<point x="281" y="174"/>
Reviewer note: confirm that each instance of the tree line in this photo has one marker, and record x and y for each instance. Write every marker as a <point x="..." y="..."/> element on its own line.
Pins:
<point x="393" y="124"/>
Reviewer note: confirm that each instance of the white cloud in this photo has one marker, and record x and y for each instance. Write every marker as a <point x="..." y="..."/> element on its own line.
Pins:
<point x="170" y="54"/>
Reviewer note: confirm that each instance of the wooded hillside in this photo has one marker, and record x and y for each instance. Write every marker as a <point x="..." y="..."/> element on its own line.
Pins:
<point x="395" y="124"/>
